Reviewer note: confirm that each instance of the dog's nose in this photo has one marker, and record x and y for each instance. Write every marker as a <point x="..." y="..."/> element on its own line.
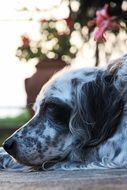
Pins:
<point x="10" y="145"/>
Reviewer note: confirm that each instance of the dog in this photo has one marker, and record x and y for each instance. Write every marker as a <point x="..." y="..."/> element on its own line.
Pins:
<point x="80" y="122"/>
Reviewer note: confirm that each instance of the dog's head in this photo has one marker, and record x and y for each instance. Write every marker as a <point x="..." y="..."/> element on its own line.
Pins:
<point x="75" y="110"/>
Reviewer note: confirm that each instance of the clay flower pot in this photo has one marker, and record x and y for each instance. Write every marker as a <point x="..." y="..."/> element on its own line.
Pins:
<point x="44" y="70"/>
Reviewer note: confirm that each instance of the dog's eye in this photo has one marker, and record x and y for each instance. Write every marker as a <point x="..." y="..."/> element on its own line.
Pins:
<point x="58" y="113"/>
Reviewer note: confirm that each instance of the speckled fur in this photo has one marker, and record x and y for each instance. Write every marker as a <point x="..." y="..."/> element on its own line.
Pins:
<point x="57" y="138"/>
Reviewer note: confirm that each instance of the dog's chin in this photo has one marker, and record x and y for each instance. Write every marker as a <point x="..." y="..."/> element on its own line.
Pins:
<point x="26" y="162"/>
<point x="37" y="164"/>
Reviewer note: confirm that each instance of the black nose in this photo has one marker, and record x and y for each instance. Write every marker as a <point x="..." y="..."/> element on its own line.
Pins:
<point x="10" y="146"/>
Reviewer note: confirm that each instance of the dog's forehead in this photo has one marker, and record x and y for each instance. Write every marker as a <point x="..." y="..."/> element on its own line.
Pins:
<point x="60" y="85"/>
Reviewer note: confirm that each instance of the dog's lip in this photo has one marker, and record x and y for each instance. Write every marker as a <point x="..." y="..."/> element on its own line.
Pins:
<point x="43" y="166"/>
<point x="49" y="163"/>
<point x="26" y="163"/>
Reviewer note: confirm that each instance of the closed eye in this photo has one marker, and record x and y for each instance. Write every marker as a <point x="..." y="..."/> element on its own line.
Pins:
<point x="57" y="111"/>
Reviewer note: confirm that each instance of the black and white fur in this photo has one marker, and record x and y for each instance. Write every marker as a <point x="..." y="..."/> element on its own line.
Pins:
<point x="80" y="122"/>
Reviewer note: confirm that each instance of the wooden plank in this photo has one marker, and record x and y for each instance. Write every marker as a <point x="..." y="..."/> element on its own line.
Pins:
<point x="65" y="180"/>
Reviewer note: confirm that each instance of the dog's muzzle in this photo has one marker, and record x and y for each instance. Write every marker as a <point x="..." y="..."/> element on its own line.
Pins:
<point x="10" y="146"/>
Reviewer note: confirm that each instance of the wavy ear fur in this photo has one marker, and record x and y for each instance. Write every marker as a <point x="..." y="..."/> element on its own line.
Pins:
<point x="97" y="111"/>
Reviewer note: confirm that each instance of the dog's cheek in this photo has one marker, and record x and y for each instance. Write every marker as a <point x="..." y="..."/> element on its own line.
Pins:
<point x="59" y="147"/>
<point x="30" y="153"/>
<point x="68" y="142"/>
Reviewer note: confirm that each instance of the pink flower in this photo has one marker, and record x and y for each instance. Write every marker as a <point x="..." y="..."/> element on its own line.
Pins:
<point x="43" y="21"/>
<point x="101" y="15"/>
<point x="25" y="40"/>
<point x="99" y="35"/>
<point x="69" y="22"/>
<point x="104" y="22"/>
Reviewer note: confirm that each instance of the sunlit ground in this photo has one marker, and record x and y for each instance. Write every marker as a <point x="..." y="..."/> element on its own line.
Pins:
<point x="12" y="72"/>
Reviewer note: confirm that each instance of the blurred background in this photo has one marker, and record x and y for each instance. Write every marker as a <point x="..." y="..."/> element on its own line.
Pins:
<point x="38" y="38"/>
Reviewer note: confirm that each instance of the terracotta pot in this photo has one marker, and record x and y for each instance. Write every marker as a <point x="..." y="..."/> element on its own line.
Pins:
<point x="44" y="70"/>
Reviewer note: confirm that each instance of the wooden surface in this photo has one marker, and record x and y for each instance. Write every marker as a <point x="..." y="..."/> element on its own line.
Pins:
<point x="65" y="180"/>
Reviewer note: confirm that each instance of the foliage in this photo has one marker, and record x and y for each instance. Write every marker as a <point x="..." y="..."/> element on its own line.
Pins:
<point x="53" y="43"/>
<point x="15" y="121"/>
<point x="87" y="10"/>
<point x="85" y="16"/>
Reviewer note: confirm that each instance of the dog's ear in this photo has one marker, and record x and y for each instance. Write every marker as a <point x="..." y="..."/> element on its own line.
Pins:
<point x="115" y="65"/>
<point x="97" y="111"/>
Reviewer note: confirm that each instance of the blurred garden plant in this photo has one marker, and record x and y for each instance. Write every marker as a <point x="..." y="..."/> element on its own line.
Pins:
<point x="86" y="19"/>
<point x="103" y="23"/>
<point x="54" y="42"/>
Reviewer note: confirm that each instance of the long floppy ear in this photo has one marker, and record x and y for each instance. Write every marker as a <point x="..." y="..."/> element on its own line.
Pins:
<point x="98" y="107"/>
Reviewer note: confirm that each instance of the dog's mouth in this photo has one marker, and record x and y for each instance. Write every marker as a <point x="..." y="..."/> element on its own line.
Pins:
<point x="49" y="164"/>
<point x="42" y="165"/>
<point x="45" y="165"/>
